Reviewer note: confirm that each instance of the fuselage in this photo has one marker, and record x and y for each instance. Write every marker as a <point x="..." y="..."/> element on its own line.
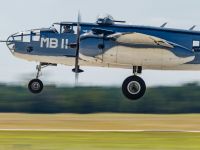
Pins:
<point x="50" y="46"/>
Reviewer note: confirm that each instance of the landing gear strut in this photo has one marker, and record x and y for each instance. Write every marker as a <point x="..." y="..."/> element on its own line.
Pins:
<point x="134" y="87"/>
<point x="36" y="86"/>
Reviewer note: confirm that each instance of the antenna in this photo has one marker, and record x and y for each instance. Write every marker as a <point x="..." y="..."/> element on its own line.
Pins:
<point x="192" y="28"/>
<point x="164" y="24"/>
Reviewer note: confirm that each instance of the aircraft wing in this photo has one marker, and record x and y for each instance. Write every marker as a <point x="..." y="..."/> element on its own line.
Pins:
<point x="138" y="39"/>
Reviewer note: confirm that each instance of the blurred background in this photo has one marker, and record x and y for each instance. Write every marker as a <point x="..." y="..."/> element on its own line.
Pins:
<point x="84" y="100"/>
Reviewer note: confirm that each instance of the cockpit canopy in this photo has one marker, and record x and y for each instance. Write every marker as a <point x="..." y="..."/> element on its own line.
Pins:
<point x="65" y="27"/>
<point x="35" y="34"/>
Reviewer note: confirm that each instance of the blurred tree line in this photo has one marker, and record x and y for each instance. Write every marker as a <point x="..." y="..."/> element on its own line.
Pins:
<point x="158" y="100"/>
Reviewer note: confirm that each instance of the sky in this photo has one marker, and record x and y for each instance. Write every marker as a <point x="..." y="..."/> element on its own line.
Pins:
<point x="22" y="15"/>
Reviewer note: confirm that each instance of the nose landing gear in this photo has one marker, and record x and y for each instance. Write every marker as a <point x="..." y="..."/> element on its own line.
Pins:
<point x="36" y="86"/>
<point x="134" y="87"/>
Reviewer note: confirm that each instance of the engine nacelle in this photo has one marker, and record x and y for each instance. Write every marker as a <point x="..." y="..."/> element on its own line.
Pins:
<point x="92" y="45"/>
<point x="97" y="48"/>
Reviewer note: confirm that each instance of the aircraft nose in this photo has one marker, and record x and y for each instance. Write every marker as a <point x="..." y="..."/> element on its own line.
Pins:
<point x="11" y="44"/>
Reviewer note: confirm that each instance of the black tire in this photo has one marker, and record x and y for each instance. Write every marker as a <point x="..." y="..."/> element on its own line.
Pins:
<point x="35" y="86"/>
<point x="134" y="88"/>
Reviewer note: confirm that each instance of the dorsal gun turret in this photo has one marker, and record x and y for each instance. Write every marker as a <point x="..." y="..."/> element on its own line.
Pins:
<point x="107" y="19"/>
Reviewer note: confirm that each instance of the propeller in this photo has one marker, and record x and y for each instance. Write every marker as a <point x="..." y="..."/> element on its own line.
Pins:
<point x="77" y="69"/>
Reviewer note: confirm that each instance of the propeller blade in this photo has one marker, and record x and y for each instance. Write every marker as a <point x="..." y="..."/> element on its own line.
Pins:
<point x="77" y="69"/>
<point x="76" y="79"/>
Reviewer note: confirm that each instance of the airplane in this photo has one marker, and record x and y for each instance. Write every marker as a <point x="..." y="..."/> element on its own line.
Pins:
<point x="108" y="43"/>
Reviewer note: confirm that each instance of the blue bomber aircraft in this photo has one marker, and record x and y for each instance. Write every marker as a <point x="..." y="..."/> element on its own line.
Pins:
<point x="108" y="43"/>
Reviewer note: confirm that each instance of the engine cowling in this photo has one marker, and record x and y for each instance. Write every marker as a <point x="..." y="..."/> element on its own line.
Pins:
<point x="91" y="45"/>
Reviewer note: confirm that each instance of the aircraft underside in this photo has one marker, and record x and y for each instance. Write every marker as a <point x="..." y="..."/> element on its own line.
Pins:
<point x="124" y="63"/>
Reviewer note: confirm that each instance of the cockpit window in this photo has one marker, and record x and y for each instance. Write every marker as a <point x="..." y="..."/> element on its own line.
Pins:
<point x="56" y="28"/>
<point x="22" y="36"/>
<point x="67" y="29"/>
<point x="26" y="38"/>
<point x="35" y="35"/>
<point x="195" y="43"/>
<point x="49" y="30"/>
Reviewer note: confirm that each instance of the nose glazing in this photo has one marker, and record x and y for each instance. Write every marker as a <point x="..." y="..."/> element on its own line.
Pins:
<point x="11" y="44"/>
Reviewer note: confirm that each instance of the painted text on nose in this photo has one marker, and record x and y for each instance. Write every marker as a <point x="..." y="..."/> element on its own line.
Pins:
<point x="53" y="43"/>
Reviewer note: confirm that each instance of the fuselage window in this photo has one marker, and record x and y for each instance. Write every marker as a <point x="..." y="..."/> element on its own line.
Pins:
<point x="26" y="38"/>
<point x="196" y="46"/>
<point x="36" y="38"/>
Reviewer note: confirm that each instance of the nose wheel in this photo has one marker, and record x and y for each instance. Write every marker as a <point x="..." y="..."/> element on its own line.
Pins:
<point x="35" y="86"/>
<point x="134" y="87"/>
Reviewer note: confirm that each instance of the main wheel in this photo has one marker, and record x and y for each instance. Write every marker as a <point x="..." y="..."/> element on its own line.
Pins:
<point x="35" y="86"/>
<point x="134" y="88"/>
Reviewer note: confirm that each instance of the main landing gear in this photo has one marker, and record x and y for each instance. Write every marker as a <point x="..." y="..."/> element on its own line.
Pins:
<point x="36" y="86"/>
<point x="134" y="87"/>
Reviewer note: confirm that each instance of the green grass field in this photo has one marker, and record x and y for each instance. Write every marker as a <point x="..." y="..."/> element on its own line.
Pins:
<point x="27" y="140"/>
<point x="12" y="136"/>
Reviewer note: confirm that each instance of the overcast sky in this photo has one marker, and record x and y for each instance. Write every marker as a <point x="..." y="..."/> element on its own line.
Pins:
<point x="21" y="15"/>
